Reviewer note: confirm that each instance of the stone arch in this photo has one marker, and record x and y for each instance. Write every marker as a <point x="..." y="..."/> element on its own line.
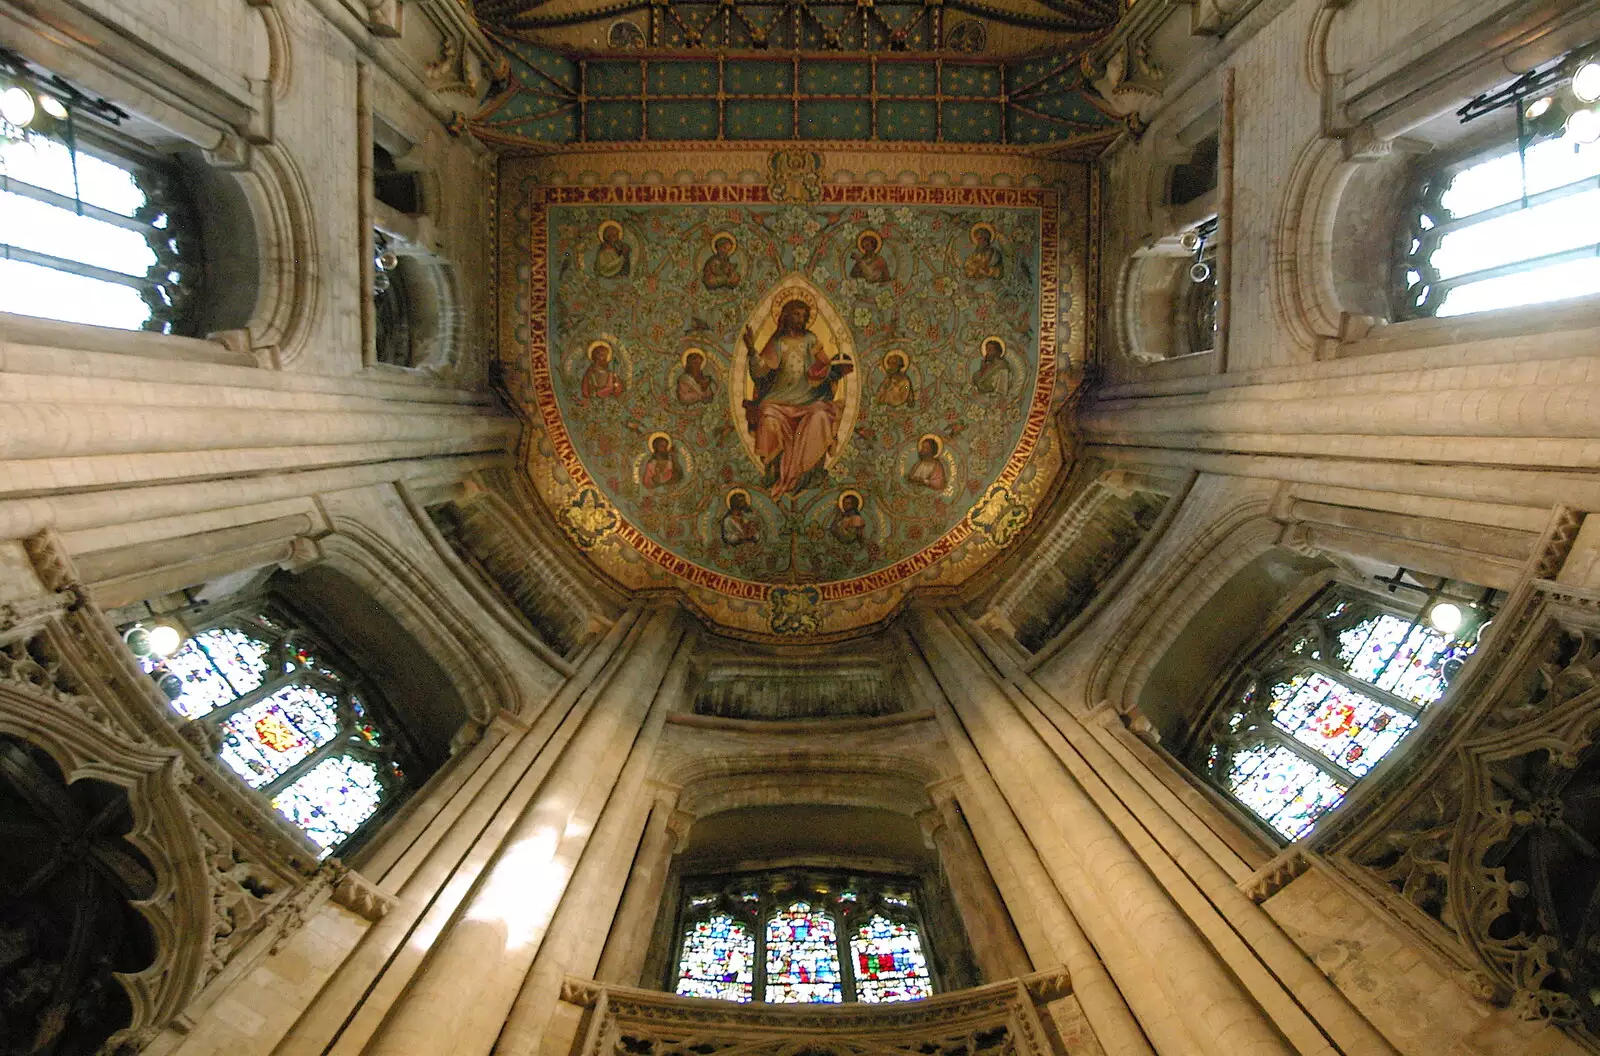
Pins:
<point x="485" y="685"/>
<point x="179" y="910"/>
<point x="1167" y="605"/>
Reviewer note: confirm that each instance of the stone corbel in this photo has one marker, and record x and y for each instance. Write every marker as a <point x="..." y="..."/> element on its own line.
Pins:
<point x="383" y="17"/>
<point x="679" y="822"/>
<point x="1276" y="875"/>
<point x="230" y="154"/>
<point x="304" y="552"/>
<point x="362" y="897"/>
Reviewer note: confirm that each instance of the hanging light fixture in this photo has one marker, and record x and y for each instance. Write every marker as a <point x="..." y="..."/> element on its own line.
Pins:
<point x="17" y="106"/>
<point x="1446" y="617"/>
<point x="1583" y="126"/>
<point x="1586" y="81"/>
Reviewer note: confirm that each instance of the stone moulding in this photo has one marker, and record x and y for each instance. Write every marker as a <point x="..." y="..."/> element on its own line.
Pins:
<point x="998" y="1018"/>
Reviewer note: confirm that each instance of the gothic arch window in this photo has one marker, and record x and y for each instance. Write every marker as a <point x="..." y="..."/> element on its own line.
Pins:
<point x="92" y="228"/>
<point x="1336" y="689"/>
<point x="802" y="937"/>
<point x="285" y="713"/>
<point x="1502" y="227"/>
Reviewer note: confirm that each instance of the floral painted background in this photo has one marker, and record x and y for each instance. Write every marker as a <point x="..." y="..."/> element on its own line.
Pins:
<point x="903" y="431"/>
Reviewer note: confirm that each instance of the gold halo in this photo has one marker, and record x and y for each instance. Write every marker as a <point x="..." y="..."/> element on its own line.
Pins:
<point x="602" y="343"/>
<point x="794" y="293"/>
<point x="864" y="234"/>
<point x="683" y="357"/>
<point x="650" y="441"/>
<point x="719" y="236"/>
<point x="727" y="500"/>
<point x="600" y="232"/>
<point x="972" y="232"/>
<point x="983" y="346"/>
<point x="893" y="352"/>
<point x="860" y="502"/>
<point x="938" y="444"/>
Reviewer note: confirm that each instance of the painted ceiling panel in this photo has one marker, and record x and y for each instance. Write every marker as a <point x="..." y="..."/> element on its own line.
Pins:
<point x="899" y="99"/>
<point x="794" y="402"/>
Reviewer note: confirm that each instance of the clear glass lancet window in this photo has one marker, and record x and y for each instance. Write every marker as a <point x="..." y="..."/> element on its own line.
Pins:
<point x="1325" y="700"/>
<point x="91" y="238"/>
<point x="1502" y="229"/>
<point x="284" y="716"/>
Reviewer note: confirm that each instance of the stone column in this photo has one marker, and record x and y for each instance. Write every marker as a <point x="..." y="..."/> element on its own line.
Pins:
<point x="465" y="991"/>
<point x="996" y="946"/>
<point x="1049" y="932"/>
<point x="1136" y="927"/>
<point x="626" y="947"/>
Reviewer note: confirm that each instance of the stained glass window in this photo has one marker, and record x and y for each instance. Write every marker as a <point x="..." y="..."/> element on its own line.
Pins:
<point x="888" y="962"/>
<point x="285" y="717"/>
<point x="1504" y="229"/>
<point x="802" y="937"/>
<point x="719" y="960"/>
<point x="802" y="956"/>
<point x="1333" y="693"/>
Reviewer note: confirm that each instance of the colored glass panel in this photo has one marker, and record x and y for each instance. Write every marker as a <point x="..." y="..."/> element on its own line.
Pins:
<point x="240" y="657"/>
<point x="802" y="957"/>
<point x="215" y="667"/>
<point x="1285" y="790"/>
<point x="261" y="742"/>
<point x="719" y="960"/>
<point x="1349" y="728"/>
<point x="1398" y="655"/>
<point x="332" y="800"/>
<point x="889" y="963"/>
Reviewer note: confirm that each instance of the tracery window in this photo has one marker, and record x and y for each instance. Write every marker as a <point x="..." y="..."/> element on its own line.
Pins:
<point x="284" y="713"/>
<point x="802" y="937"/>
<point x="93" y="236"/>
<point x="1503" y="228"/>
<point x="1336" y="690"/>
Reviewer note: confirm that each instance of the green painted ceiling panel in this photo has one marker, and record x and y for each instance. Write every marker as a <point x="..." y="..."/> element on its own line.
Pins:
<point x="908" y="78"/>
<point x="835" y="119"/>
<point x="758" y="78"/>
<point x="759" y="119"/>
<point x="683" y="78"/>
<point x="908" y="121"/>
<point x="972" y="122"/>
<point x="614" y="121"/>
<point x="687" y="119"/>
<point x="612" y="78"/>
<point x="835" y="78"/>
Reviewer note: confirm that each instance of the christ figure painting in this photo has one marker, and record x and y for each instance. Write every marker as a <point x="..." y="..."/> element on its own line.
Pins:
<point x="795" y="414"/>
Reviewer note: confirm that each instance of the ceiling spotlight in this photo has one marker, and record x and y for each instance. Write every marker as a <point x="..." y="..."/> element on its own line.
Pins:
<point x="1190" y="241"/>
<point x="164" y="639"/>
<point x="1584" y="126"/>
<point x="1446" y="617"/>
<point x="52" y="106"/>
<point x="1586" y="82"/>
<point x="1199" y="272"/>
<point x="16" y="106"/>
<point x="1539" y="107"/>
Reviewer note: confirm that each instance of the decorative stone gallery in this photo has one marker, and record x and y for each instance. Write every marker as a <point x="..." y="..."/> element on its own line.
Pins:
<point x="794" y="412"/>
